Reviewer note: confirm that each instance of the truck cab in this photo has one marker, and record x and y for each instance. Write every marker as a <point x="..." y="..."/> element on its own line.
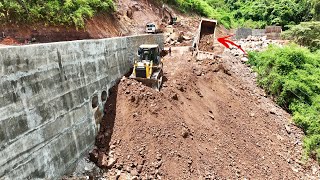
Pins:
<point x="151" y="28"/>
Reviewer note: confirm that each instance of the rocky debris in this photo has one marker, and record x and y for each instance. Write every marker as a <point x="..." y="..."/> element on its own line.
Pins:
<point x="185" y="132"/>
<point x="93" y="155"/>
<point x="174" y="96"/>
<point x="207" y="43"/>
<point x="244" y="59"/>
<point x="251" y="43"/>
<point x="206" y="137"/>
<point x="177" y="35"/>
<point x="139" y="168"/>
<point x="197" y="71"/>
<point x="288" y="129"/>
<point x="159" y="156"/>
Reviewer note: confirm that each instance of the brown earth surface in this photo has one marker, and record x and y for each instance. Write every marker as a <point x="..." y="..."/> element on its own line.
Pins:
<point x="209" y="121"/>
<point x="206" y="43"/>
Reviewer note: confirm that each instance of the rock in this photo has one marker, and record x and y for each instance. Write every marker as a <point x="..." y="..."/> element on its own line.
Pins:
<point x="174" y="96"/>
<point x="111" y="153"/>
<point x="174" y="36"/>
<point x="169" y="29"/>
<point x="120" y="166"/>
<point x="134" y="178"/>
<point x="211" y="116"/>
<point x="112" y="147"/>
<point x="273" y="111"/>
<point x="139" y="168"/>
<point x="158" y="164"/>
<point x="185" y="133"/>
<point x="158" y="157"/>
<point x="93" y="155"/>
<point x="103" y="160"/>
<point x="132" y="99"/>
<point x="128" y="169"/>
<point x="244" y="59"/>
<point x="288" y="129"/>
<point x="134" y="172"/>
<point x="186" y="38"/>
<point x="180" y="88"/>
<point x="123" y="78"/>
<point x="314" y="169"/>
<point x="294" y="169"/>
<point x="111" y="162"/>
<point x="197" y="71"/>
<point x="118" y="174"/>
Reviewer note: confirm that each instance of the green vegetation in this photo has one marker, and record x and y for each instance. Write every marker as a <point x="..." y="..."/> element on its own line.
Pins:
<point x="54" y="12"/>
<point x="253" y="13"/>
<point x="306" y="34"/>
<point x="291" y="74"/>
<point x="230" y="13"/>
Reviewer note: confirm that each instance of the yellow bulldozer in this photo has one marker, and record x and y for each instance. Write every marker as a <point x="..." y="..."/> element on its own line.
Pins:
<point x="148" y="68"/>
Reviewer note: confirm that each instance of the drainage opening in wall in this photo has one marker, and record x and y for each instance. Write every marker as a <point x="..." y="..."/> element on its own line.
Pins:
<point x="104" y="95"/>
<point x="95" y="101"/>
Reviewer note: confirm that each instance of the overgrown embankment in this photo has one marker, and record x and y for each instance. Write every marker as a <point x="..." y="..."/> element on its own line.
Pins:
<point x="291" y="75"/>
<point x="305" y="34"/>
<point x="52" y="12"/>
<point x="253" y="13"/>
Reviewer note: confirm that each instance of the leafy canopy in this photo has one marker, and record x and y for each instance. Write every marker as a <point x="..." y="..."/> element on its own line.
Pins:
<point x="56" y="12"/>
<point x="253" y="13"/>
<point x="306" y="34"/>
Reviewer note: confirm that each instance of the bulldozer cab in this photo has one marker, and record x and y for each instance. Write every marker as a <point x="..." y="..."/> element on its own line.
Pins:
<point x="148" y="67"/>
<point x="149" y="52"/>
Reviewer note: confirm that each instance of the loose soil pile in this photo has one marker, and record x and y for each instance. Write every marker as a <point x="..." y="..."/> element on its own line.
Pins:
<point x="206" y="43"/>
<point x="209" y="121"/>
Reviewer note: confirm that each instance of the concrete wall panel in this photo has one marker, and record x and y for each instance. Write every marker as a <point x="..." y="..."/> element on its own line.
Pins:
<point x="46" y="116"/>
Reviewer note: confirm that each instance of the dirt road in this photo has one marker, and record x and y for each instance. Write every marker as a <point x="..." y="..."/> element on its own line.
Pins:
<point x="209" y="121"/>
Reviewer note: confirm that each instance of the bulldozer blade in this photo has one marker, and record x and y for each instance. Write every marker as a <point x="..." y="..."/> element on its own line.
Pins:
<point x="154" y="82"/>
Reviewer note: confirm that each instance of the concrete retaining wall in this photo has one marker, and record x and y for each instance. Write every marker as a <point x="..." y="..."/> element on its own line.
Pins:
<point x="258" y="32"/>
<point x="243" y="33"/>
<point x="272" y="32"/>
<point x="46" y="115"/>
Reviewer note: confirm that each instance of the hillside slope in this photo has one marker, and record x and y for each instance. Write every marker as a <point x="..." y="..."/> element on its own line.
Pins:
<point x="210" y="120"/>
<point x="130" y="18"/>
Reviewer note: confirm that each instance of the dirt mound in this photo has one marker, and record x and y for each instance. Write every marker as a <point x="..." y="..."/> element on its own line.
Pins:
<point x="206" y="43"/>
<point x="208" y="121"/>
<point x="9" y="41"/>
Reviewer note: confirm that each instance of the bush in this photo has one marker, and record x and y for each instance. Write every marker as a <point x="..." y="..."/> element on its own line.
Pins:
<point x="305" y="34"/>
<point x="53" y="12"/>
<point x="291" y="74"/>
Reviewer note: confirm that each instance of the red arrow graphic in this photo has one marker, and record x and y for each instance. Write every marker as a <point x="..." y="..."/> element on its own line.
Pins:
<point x="225" y="41"/>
